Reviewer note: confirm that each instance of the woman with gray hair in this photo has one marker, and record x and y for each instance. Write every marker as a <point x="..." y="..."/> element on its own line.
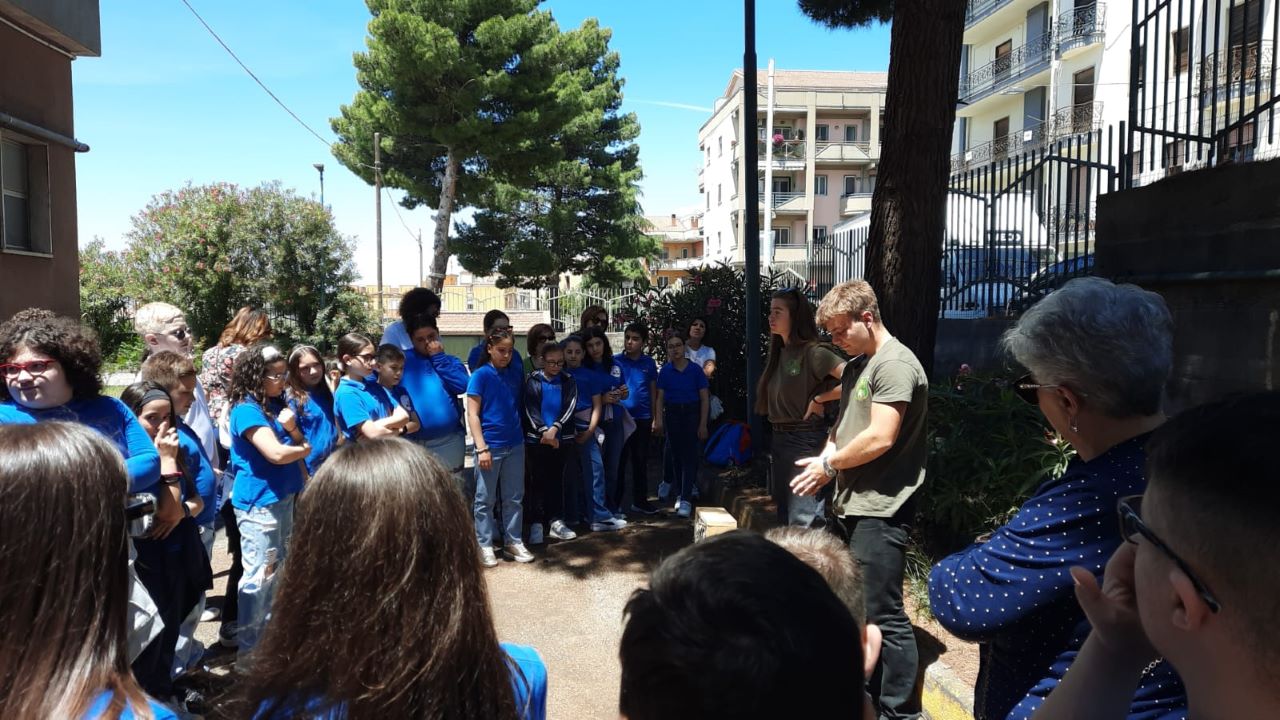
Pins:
<point x="1098" y="355"/>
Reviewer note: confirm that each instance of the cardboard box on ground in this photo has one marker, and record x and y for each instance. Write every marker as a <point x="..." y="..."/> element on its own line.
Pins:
<point x="709" y="521"/>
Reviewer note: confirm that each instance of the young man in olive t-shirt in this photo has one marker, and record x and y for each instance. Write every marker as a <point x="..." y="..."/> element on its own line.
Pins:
<point x="876" y="455"/>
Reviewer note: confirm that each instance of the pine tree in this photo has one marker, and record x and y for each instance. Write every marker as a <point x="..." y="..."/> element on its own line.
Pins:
<point x="580" y="213"/>
<point x="908" y="216"/>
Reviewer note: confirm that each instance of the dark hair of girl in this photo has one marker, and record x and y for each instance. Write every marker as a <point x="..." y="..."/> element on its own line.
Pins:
<point x="64" y="339"/>
<point x="351" y="344"/>
<point x="591" y="314"/>
<point x="138" y="395"/>
<point x="414" y="323"/>
<point x="64" y="610"/>
<point x="492" y="317"/>
<point x="424" y="644"/>
<point x="804" y="330"/>
<point x="249" y="376"/>
<point x="606" y="361"/>
<point x="537" y="333"/>
<point x="491" y="340"/>
<point x="419" y="301"/>
<point x="296" y="389"/>
<point x="706" y="334"/>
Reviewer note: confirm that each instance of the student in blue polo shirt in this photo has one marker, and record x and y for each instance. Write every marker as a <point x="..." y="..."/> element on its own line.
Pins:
<point x="363" y="408"/>
<point x="267" y="455"/>
<point x="390" y="371"/>
<point x="434" y="379"/>
<point x="640" y="373"/>
<point x="681" y="412"/>
<point x="311" y="401"/>
<point x="494" y="321"/>
<point x="587" y="412"/>
<point x="493" y="413"/>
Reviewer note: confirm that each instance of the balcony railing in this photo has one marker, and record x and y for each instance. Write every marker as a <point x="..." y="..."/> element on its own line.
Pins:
<point x="1004" y="71"/>
<point x="979" y="9"/>
<point x="855" y="203"/>
<point x="782" y="198"/>
<point x="783" y="151"/>
<point x="843" y="151"/>
<point x="1081" y="26"/>
<point x="1065" y="123"/>
<point x="1240" y="65"/>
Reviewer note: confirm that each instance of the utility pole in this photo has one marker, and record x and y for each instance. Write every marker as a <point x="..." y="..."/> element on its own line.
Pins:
<point x="752" y="239"/>
<point x="377" y="208"/>
<point x="420" y="257"/>
<point x="320" y="167"/>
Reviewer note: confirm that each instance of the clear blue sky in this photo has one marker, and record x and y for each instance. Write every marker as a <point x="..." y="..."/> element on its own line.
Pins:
<point x="165" y="105"/>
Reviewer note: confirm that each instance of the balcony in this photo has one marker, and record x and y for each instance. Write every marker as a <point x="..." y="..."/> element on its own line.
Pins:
<point x="690" y="263"/>
<point x="788" y="202"/>
<point x="981" y="9"/>
<point x="701" y="172"/>
<point x="1000" y="148"/>
<point x="1080" y="27"/>
<point x="1076" y="120"/>
<point x="1003" y="72"/>
<point x="786" y="154"/>
<point x="855" y="204"/>
<point x="1239" y="71"/>
<point x="843" y="152"/>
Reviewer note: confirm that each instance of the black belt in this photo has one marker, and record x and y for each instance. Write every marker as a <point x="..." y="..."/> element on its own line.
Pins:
<point x="802" y="426"/>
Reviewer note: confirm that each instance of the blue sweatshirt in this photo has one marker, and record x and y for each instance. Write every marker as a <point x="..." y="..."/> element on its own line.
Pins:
<point x="434" y="384"/>
<point x="549" y="402"/>
<point x="110" y="417"/>
<point x="1014" y="592"/>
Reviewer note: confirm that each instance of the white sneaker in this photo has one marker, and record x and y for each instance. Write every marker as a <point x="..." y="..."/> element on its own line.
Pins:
<point x="608" y="525"/>
<point x="664" y="491"/>
<point x="210" y="614"/>
<point x="519" y="553"/>
<point x="560" y="531"/>
<point x="487" y="558"/>
<point x="694" y="492"/>
<point x="535" y="534"/>
<point x="684" y="509"/>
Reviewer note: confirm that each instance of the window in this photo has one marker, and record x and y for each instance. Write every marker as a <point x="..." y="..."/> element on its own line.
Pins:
<point x="781" y="236"/>
<point x="820" y="184"/>
<point x="1244" y="26"/>
<point x="821" y="133"/>
<point x="718" y="244"/>
<point x="1000" y="138"/>
<point x="1004" y="52"/>
<point x="24" y="192"/>
<point x="851" y="133"/>
<point x="851" y="184"/>
<point x="719" y="194"/>
<point x="1173" y="157"/>
<point x="1135" y="164"/>
<point x="720" y="144"/>
<point x="820" y="234"/>
<point x="1181" y="41"/>
<point x="684" y="253"/>
<point x="1239" y="141"/>
<point x="662" y="281"/>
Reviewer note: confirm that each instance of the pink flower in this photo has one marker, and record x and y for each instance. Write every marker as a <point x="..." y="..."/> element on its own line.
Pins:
<point x="778" y="139"/>
<point x="965" y="369"/>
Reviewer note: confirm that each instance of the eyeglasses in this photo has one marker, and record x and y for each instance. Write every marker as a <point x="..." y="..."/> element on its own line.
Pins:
<point x="179" y="334"/>
<point x="1027" y="388"/>
<point x="35" y="368"/>
<point x="367" y="357"/>
<point x="279" y="377"/>
<point x="553" y="363"/>
<point x="547" y="338"/>
<point x="1131" y="526"/>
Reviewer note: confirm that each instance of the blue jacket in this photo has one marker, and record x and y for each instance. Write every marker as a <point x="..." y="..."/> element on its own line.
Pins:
<point x="1015" y="595"/>
<point x="536" y="416"/>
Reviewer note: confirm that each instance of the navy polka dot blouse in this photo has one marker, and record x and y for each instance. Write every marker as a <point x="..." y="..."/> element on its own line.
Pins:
<point x="1014" y="593"/>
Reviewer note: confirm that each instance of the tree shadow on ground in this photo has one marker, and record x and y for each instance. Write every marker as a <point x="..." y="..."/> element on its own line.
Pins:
<point x="637" y="548"/>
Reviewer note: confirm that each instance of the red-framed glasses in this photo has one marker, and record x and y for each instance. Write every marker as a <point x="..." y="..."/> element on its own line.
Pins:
<point x="35" y="368"/>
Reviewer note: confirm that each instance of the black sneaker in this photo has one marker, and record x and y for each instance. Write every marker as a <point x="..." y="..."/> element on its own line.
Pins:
<point x="643" y="507"/>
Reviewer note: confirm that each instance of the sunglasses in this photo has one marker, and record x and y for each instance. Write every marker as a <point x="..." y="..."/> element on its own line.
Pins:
<point x="179" y="334"/>
<point x="1131" y="526"/>
<point x="279" y="377"/>
<point x="1028" y="389"/>
<point x="35" y="368"/>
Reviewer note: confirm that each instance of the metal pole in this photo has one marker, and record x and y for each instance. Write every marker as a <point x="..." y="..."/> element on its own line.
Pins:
<point x="377" y="207"/>
<point x="767" y="239"/>
<point x="320" y="169"/>
<point x="752" y="209"/>
<point x="420" y="257"/>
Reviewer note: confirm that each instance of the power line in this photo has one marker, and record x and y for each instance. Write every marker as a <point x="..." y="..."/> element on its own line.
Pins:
<point x="255" y="77"/>
<point x="396" y="206"/>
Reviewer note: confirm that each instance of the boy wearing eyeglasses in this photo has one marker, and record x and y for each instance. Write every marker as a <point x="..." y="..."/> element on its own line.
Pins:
<point x="1195" y="582"/>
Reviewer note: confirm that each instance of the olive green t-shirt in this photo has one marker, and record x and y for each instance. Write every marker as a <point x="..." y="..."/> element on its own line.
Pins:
<point x="801" y="370"/>
<point x="879" y="488"/>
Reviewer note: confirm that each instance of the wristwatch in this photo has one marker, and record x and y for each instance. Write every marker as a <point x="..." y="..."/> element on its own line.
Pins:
<point x="826" y="468"/>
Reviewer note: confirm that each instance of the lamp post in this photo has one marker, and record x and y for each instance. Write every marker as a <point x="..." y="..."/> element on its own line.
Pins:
<point x="320" y="168"/>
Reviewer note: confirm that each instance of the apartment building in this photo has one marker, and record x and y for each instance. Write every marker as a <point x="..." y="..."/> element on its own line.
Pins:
<point x="682" y="246"/>
<point x="39" y="252"/>
<point x="817" y="167"/>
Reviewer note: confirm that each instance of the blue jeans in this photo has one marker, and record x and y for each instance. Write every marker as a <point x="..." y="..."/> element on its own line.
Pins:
<point x="591" y="466"/>
<point x="682" y="438"/>
<point x="264" y="545"/>
<point x="611" y="455"/>
<point x="451" y="450"/>
<point x="189" y="650"/>
<point x="507" y="476"/>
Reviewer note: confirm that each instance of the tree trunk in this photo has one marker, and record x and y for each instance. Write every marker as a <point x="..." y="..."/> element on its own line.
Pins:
<point x="444" y="215"/>
<point x="908" y="216"/>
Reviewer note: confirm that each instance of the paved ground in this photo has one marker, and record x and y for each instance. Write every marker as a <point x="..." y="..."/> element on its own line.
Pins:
<point x="568" y="605"/>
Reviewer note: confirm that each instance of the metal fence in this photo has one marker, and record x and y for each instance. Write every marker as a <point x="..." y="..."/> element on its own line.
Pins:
<point x="1202" y="87"/>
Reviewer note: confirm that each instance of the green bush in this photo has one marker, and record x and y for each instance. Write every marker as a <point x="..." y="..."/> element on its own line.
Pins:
<point x="988" y="450"/>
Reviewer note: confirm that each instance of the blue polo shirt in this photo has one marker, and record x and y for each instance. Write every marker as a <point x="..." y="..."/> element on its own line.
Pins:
<point x="590" y="383"/>
<point x="681" y="387"/>
<point x="358" y="401"/>
<point x="637" y="374"/>
<point x="499" y="393"/>
<point x="477" y="352"/>
<point x="199" y="467"/>
<point x="318" y="425"/>
<point x="258" y="481"/>
<point x="111" y="418"/>
<point x="433" y="384"/>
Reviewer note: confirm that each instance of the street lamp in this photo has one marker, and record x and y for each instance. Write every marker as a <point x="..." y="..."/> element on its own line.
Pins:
<point x="320" y="168"/>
